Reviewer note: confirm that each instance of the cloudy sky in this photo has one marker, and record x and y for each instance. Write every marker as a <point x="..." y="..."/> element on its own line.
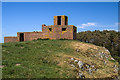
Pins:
<point x="29" y="16"/>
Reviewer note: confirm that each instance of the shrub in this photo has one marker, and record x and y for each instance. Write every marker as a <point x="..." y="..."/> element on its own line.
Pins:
<point x="43" y="39"/>
<point x="63" y="39"/>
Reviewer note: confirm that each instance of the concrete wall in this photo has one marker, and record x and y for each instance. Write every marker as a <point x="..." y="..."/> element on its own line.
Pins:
<point x="57" y="32"/>
<point x="74" y="33"/>
<point x="10" y="39"/>
<point x="62" y="20"/>
<point x="28" y="36"/>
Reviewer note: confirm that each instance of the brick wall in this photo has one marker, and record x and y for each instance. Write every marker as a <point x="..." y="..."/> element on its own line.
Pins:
<point x="51" y="32"/>
<point x="57" y="32"/>
<point x="64" y="19"/>
<point x="55" y="20"/>
<point x="74" y="33"/>
<point x="10" y="39"/>
<point x="28" y="36"/>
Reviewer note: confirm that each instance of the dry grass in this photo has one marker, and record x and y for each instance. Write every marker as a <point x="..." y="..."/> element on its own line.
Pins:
<point x="51" y="59"/>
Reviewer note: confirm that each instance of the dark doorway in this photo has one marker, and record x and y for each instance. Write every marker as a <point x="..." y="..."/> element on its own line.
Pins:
<point x="59" y="20"/>
<point x="65" y="20"/>
<point x="21" y="36"/>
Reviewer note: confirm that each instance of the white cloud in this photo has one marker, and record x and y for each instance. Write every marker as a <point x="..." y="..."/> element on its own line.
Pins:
<point x="96" y="25"/>
<point x="80" y="26"/>
<point x="86" y="25"/>
<point x="115" y="25"/>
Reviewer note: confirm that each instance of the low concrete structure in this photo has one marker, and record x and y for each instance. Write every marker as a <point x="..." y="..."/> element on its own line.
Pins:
<point x="60" y="30"/>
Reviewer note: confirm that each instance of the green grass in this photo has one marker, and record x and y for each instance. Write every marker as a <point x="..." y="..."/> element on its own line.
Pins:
<point x="40" y="59"/>
<point x="37" y="58"/>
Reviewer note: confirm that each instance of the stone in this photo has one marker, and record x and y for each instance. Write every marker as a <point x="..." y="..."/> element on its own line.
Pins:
<point x="64" y="61"/>
<point x="76" y="61"/>
<point x="112" y="58"/>
<point x="2" y="66"/>
<point x="81" y="75"/>
<point x="108" y="51"/>
<point x="18" y="64"/>
<point x="92" y="66"/>
<point x="8" y="52"/>
<point x="77" y="50"/>
<point x="21" y="47"/>
<point x="114" y="66"/>
<point x="72" y="59"/>
<point x="87" y="66"/>
<point x="72" y="65"/>
<point x="82" y="68"/>
<point x="3" y="50"/>
<point x="80" y="64"/>
<point x="105" y="62"/>
<point x="89" y="71"/>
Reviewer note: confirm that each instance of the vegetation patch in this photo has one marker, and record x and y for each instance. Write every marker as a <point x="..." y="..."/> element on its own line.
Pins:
<point x="56" y="59"/>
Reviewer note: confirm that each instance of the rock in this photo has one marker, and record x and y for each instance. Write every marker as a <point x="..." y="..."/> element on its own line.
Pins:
<point x="112" y="58"/>
<point x="64" y="61"/>
<point x="105" y="62"/>
<point x="94" y="69"/>
<point x="3" y="50"/>
<point x="81" y="75"/>
<point x="77" y="50"/>
<point x="8" y="52"/>
<point x="76" y="61"/>
<point x="89" y="71"/>
<point x="106" y="57"/>
<point x="87" y="66"/>
<point x="102" y="55"/>
<point x="92" y="66"/>
<point x="108" y="51"/>
<point x="2" y="66"/>
<point x="117" y="78"/>
<point x="116" y="68"/>
<point x="80" y="64"/>
<point x="82" y="68"/>
<point x="18" y="64"/>
<point x="72" y="59"/>
<point x="72" y="65"/>
<point x="21" y="47"/>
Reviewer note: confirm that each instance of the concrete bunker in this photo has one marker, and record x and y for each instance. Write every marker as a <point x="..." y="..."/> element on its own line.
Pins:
<point x="60" y="30"/>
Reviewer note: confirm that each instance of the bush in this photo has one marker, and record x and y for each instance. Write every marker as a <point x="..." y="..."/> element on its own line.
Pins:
<point x="43" y="39"/>
<point x="63" y="39"/>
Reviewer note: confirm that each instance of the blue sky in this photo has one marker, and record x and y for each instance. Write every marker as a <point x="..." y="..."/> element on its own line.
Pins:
<point x="29" y="16"/>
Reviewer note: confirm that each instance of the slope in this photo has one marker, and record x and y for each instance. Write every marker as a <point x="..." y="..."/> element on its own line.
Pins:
<point x="56" y="59"/>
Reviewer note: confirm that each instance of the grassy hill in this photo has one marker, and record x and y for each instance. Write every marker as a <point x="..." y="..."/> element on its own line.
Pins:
<point x="56" y="59"/>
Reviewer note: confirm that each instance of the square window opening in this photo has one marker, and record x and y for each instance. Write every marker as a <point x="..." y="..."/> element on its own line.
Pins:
<point x="63" y="29"/>
<point x="50" y="29"/>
